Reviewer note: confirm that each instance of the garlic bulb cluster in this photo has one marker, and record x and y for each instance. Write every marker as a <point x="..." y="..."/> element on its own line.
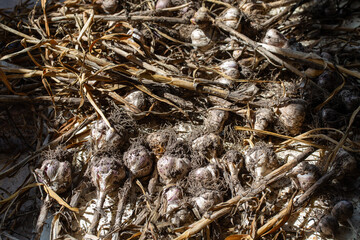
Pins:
<point x="275" y="38"/>
<point x="101" y="135"/>
<point x="208" y="145"/>
<point x="292" y="116"/>
<point x="214" y="122"/>
<point x="231" y="17"/>
<point x="106" y="173"/>
<point x="199" y="39"/>
<point x="172" y="168"/>
<point x="137" y="99"/>
<point x="55" y="174"/>
<point x="138" y="160"/>
<point x="263" y="117"/>
<point x="207" y="200"/>
<point x="260" y="160"/>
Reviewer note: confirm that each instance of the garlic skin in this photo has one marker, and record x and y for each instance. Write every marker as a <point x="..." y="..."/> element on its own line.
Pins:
<point x="199" y="39"/>
<point x="106" y="173"/>
<point x="207" y="200"/>
<point x="214" y="122"/>
<point x="138" y="160"/>
<point x="172" y="168"/>
<point x="328" y="226"/>
<point x="231" y="17"/>
<point x="230" y="68"/>
<point x="102" y="135"/>
<point x="208" y="145"/>
<point x="343" y="210"/>
<point x="160" y="4"/>
<point x="175" y="210"/>
<point x="260" y="160"/>
<point x="263" y="117"/>
<point x="204" y="175"/>
<point x="55" y="174"/>
<point x="275" y="38"/>
<point x="109" y="6"/>
<point x="158" y="140"/>
<point x="292" y="117"/>
<point x="137" y="99"/>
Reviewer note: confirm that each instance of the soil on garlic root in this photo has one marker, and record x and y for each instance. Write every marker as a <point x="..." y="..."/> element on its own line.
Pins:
<point x="180" y="119"/>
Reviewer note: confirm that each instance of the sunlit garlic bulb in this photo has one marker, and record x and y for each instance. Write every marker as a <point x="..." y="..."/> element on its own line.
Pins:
<point x="208" y="145"/>
<point x="231" y="17"/>
<point x="199" y="38"/>
<point x="173" y="196"/>
<point x="106" y="173"/>
<point x="275" y="38"/>
<point x="138" y="160"/>
<point x="306" y="175"/>
<point x="157" y="141"/>
<point x="176" y="212"/>
<point x="172" y="168"/>
<point x="343" y="210"/>
<point x="137" y="99"/>
<point x="214" y="122"/>
<point x="263" y="117"/>
<point x="260" y="160"/>
<point x="109" y="6"/>
<point x="207" y="200"/>
<point x="55" y="174"/>
<point x="204" y="175"/>
<point x="201" y="17"/>
<point x="102" y="135"/>
<point x="328" y="226"/>
<point x="160" y="4"/>
<point x="292" y="116"/>
<point x="230" y="68"/>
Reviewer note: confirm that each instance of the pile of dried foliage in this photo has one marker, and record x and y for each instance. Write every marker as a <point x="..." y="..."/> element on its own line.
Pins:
<point x="176" y="119"/>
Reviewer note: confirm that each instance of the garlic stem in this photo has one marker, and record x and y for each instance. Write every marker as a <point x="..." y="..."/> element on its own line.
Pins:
<point x="96" y="217"/>
<point x="42" y="217"/>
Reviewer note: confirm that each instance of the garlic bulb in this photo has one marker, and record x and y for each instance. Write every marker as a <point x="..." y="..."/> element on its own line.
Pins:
<point x="214" y="122"/>
<point x="173" y="197"/>
<point x="208" y="145"/>
<point x="275" y="38"/>
<point x="234" y="162"/>
<point x="350" y="99"/>
<point x="136" y="98"/>
<point x="109" y="6"/>
<point x="292" y="117"/>
<point x="204" y="175"/>
<point x="199" y="38"/>
<point x="345" y="162"/>
<point x="102" y="135"/>
<point x="263" y="117"/>
<point x="328" y="226"/>
<point x="343" y="210"/>
<point x="306" y="175"/>
<point x="176" y="212"/>
<point x="230" y="68"/>
<point x="207" y="200"/>
<point x="55" y="174"/>
<point x="260" y="160"/>
<point x="201" y="17"/>
<point x="157" y="140"/>
<point x="231" y="17"/>
<point x="172" y="168"/>
<point x="328" y="80"/>
<point x="138" y="161"/>
<point x="160" y="4"/>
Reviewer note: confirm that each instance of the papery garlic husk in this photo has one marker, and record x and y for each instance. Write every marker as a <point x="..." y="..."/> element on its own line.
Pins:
<point x="160" y="4"/>
<point x="292" y="116"/>
<point x="102" y="135"/>
<point x="208" y="145"/>
<point x="343" y="210"/>
<point x="263" y="117"/>
<point x="231" y="17"/>
<point x="260" y="160"/>
<point x="207" y="200"/>
<point x="106" y="173"/>
<point x="204" y="175"/>
<point x="55" y="174"/>
<point x="199" y="39"/>
<point x="275" y="38"/>
<point x="328" y="226"/>
<point x="306" y="175"/>
<point x="137" y="99"/>
<point x="172" y="168"/>
<point x="139" y="161"/>
<point x="214" y="122"/>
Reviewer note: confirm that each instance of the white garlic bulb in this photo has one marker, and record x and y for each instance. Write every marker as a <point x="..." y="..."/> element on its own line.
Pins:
<point x="231" y="17"/>
<point x="208" y="145"/>
<point x="214" y="122"/>
<point x="292" y="116"/>
<point x="204" y="175"/>
<point x="230" y="68"/>
<point x="263" y="117"/>
<point x="199" y="38"/>
<point x="136" y="98"/>
<point x="160" y="4"/>
<point x="101" y="135"/>
<point x="275" y="38"/>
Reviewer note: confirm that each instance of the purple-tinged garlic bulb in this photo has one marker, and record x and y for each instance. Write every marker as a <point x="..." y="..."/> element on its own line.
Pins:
<point x="172" y="168"/>
<point x="328" y="226"/>
<point x="275" y="38"/>
<point x="231" y="17"/>
<point x="101" y="135"/>
<point x="214" y="122"/>
<point x="55" y="174"/>
<point x="343" y="210"/>
<point x="204" y="175"/>
<point x="260" y="160"/>
<point x="176" y="212"/>
<point x="208" y="145"/>
<point x="292" y="116"/>
<point x="137" y="99"/>
<point x="207" y="200"/>
<point x="199" y="39"/>
<point x="138" y="160"/>
<point x="160" y="4"/>
<point x="263" y="117"/>
<point x="306" y="175"/>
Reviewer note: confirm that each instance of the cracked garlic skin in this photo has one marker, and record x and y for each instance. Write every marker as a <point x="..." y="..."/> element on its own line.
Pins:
<point x="207" y="200"/>
<point x="208" y="145"/>
<point x="260" y="160"/>
<point x="275" y="38"/>
<point x="328" y="226"/>
<point x="263" y="117"/>
<point x="306" y="175"/>
<point x="55" y="174"/>
<point x="214" y="122"/>
<point x="102" y="135"/>
<point x="106" y="173"/>
<point x="138" y="160"/>
<point x="292" y="116"/>
<point x="343" y="210"/>
<point x="172" y="168"/>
